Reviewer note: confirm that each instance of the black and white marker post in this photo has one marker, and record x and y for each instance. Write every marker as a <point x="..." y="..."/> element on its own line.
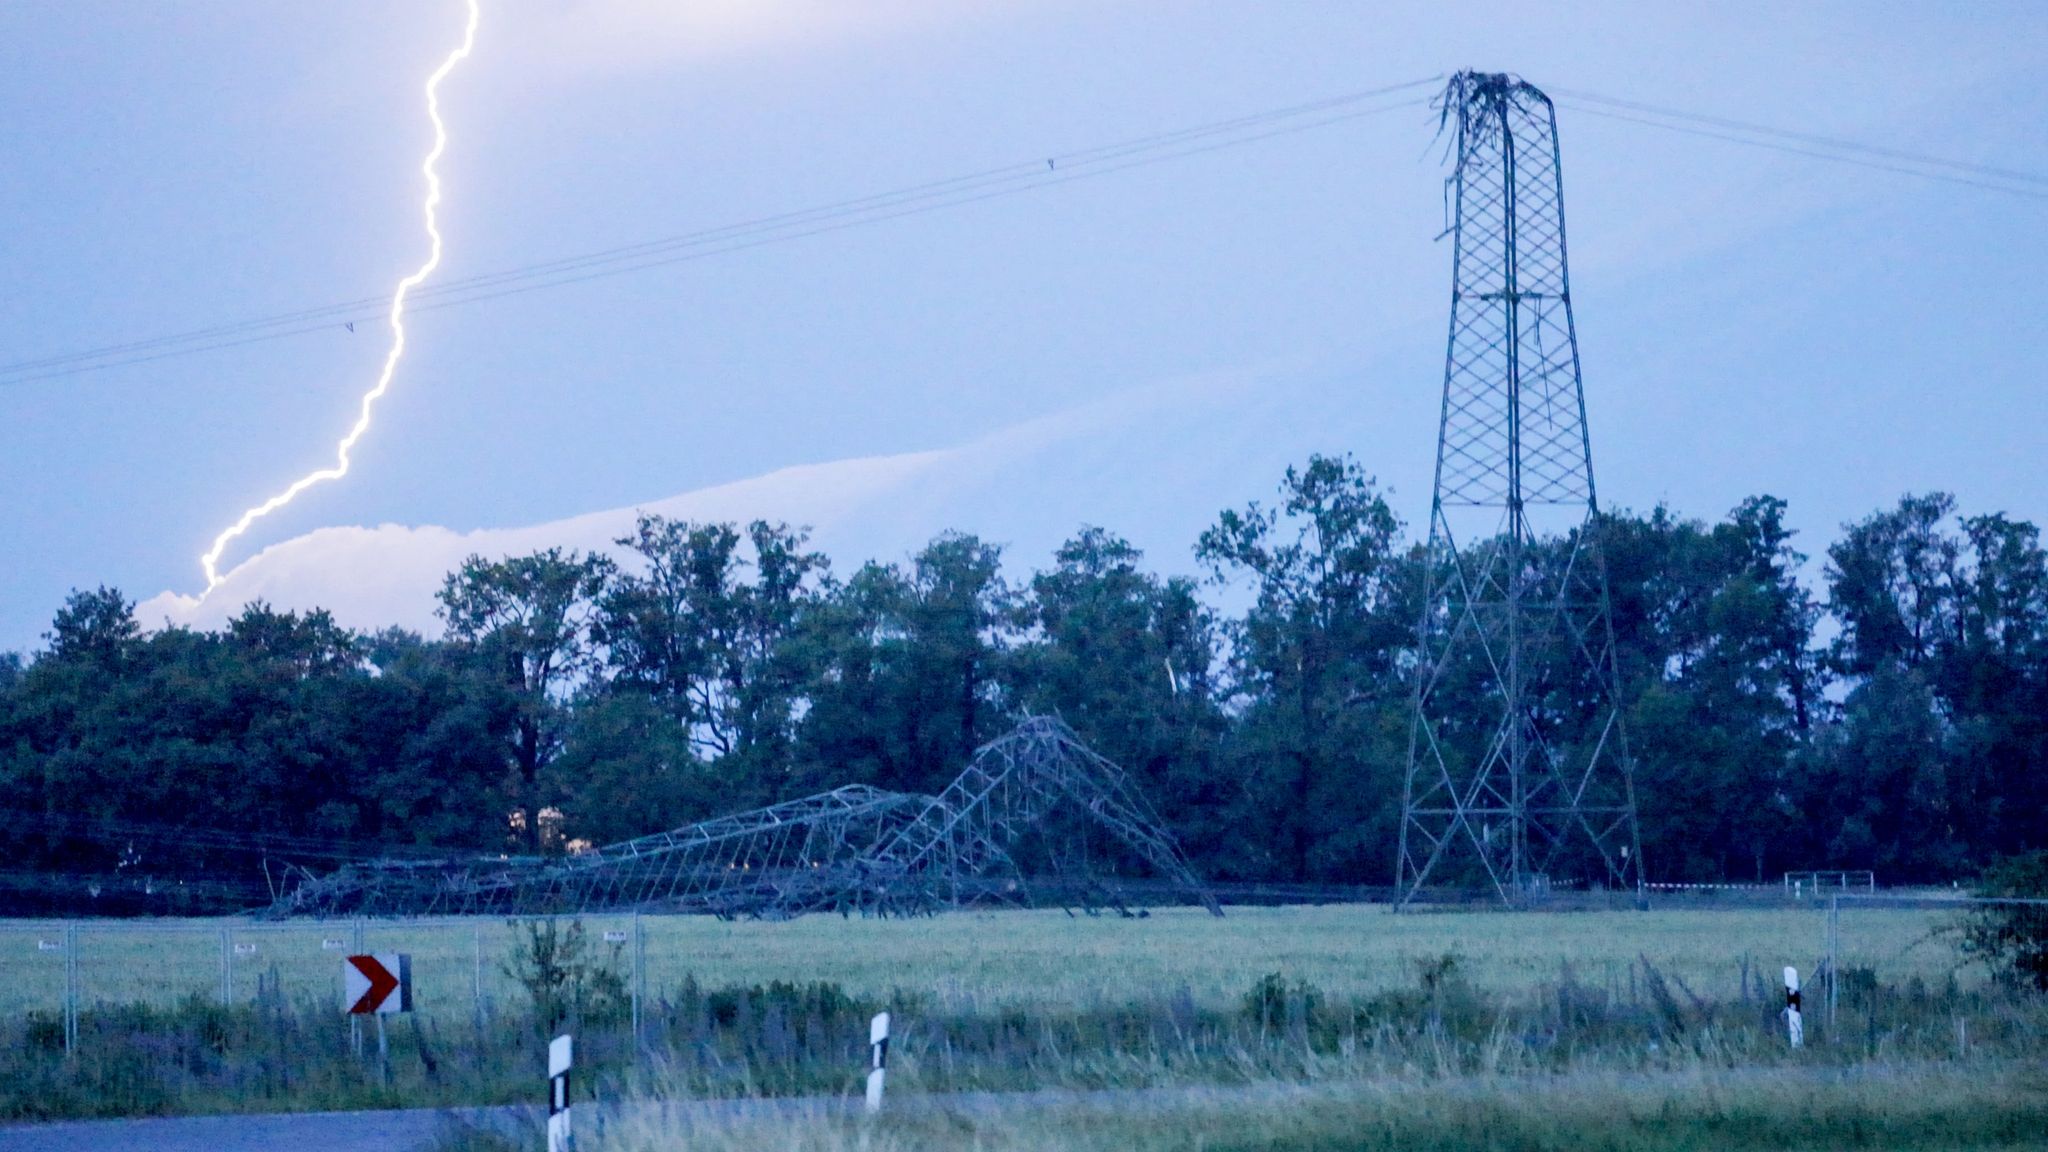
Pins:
<point x="1793" y="1027"/>
<point x="878" y="1044"/>
<point x="559" y="1059"/>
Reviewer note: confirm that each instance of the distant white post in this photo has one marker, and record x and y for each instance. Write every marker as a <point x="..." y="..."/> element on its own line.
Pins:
<point x="878" y="1045"/>
<point x="1793" y="1027"/>
<point x="70" y="988"/>
<point x="559" y="1054"/>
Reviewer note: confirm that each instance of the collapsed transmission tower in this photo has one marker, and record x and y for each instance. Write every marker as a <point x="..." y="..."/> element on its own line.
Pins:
<point x="1036" y="792"/>
<point x="1518" y="767"/>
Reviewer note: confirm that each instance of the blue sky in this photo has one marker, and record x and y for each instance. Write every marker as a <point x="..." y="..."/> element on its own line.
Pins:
<point x="1164" y="340"/>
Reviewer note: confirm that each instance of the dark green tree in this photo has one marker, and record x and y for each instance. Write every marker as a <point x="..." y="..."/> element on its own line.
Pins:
<point x="1315" y="667"/>
<point x="908" y="669"/>
<point x="1892" y="580"/>
<point x="1941" y="759"/>
<point x="96" y="627"/>
<point x="1995" y="684"/>
<point x="717" y="652"/>
<point x="434" y="724"/>
<point x="1715" y="636"/>
<point x="1127" y="660"/>
<point x="2012" y="939"/>
<point x="627" y="769"/>
<point x="526" y="621"/>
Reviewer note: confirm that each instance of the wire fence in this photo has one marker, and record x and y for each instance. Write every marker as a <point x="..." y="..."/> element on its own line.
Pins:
<point x="462" y="969"/>
<point x="458" y="966"/>
<point x="1853" y="954"/>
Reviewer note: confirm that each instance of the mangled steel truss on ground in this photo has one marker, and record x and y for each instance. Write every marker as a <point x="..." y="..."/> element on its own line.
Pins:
<point x="1037" y="792"/>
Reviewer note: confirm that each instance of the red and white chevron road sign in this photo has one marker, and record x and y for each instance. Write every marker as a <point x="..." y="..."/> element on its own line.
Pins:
<point x="376" y="985"/>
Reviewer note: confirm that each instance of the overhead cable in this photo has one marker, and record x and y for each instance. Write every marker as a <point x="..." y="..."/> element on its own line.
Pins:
<point x="1011" y="179"/>
<point x="1006" y="180"/>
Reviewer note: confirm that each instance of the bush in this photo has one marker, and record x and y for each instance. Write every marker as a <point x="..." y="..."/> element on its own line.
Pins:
<point x="564" y="980"/>
<point x="1440" y="974"/>
<point x="1272" y="1001"/>
<point x="2012" y="938"/>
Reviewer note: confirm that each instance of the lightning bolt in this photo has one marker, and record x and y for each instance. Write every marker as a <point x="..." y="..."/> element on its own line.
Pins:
<point x="211" y="560"/>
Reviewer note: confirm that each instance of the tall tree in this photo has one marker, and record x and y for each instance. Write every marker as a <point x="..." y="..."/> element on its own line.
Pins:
<point x="1997" y="686"/>
<point x="1892" y="582"/>
<point x="433" y="722"/>
<point x="958" y="619"/>
<point x="96" y="627"/>
<point x="1715" y="635"/>
<point x="908" y="668"/>
<point x="1127" y="660"/>
<point x="716" y="651"/>
<point x="1897" y="583"/>
<point x="526" y="621"/>
<point x="1315" y="662"/>
<point x="669" y="628"/>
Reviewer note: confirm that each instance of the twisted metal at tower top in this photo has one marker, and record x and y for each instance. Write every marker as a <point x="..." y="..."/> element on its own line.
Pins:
<point x="1518" y="775"/>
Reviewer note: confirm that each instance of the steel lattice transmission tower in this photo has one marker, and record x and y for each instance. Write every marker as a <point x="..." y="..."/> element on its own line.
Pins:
<point x="1518" y="765"/>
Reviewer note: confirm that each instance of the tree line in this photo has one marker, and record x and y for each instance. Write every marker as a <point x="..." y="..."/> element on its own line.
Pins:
<point x="1892" y="716"/>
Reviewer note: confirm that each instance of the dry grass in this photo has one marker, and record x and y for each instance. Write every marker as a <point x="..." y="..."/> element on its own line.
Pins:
<point x="1910" y="1109"/>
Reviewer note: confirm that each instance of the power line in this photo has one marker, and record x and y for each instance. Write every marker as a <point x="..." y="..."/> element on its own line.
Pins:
<point x="992" y="183"/>
<point x="716" y="242"/>
<point x="105" y="829"/>
<point x="1809" y="138"/>
<point x="1880" y="166"/>
<point x="933" y="195"/>
<point x="1879" y="158"/>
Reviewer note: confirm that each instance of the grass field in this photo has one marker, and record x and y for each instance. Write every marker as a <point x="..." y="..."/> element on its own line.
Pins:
<point x="992" y="960"/>
<point x="1400" y="1026"/>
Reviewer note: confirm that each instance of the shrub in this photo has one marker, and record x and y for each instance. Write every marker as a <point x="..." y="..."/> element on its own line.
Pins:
<point x="1439" y="974"/>
<point x="2012" y="938"/>
<point x="564" y="980"/>
<point x="1274" y="1001"/>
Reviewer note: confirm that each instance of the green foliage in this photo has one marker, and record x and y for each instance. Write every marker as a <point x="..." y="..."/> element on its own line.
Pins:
<point x="1442" y="973"/>
<point x="753" y="1039"/>
<point x="626" y="768"/>
<point x="567" y="983"/>
<point x="1273" y="1002"/>
<point x="721" y="666"/>
<point x="908" y="669"/>
<point x="716" y="653"/>
<point x="198" y="1056"/>
<point x="2013" y="938"/>
<point x="1713" y="629"/>
<point x="1942" y="761"/>
<point x="728" y="1006"/>
<point x="525" y="622"/>
<point x="282" y="723"/>
<point x="1315" y="674"/>
<point x="1129" y="661"/>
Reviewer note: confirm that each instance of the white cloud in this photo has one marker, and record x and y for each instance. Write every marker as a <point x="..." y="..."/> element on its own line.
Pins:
<point x="1034" y="481"/>
<point x="372" y="577"/>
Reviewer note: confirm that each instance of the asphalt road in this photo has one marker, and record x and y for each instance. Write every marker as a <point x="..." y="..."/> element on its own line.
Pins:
<point x="396" y="1131"/>
<point x="411" y="1129"/>
<point x="295" y="1132"/>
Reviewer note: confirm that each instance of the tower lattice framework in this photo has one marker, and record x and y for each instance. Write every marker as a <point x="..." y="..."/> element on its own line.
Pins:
<point x="1518" y="768"/>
